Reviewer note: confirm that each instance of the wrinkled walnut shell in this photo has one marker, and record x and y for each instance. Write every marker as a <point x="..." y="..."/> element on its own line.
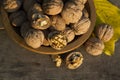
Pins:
<point x="74" y="60"/>
<point x="94" y="46"/>
<point x="82" y="26"/>
<point x="69" y="33"/>
<point x="52" y="7"/>
<point x="58" y="23"/>
<point x="34" y="38"/>
<point x="72" y="12"/>
<point x="12" y="5"/>
<point x="104" y="32"/>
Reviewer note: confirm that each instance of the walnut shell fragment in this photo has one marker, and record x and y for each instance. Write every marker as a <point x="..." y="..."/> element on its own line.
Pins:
<point x="58" y="22"/>
<point x="40" y="21"/>
<point x="17" y="18"/>
<point x="104" y="32"/>
<point x="52" y="7"/>
<point x="74" y="60"/>
<point x="94" y="46"/>
<point x="34" y="38"/>
<point x="12" y="5"/>
<point x="57" y="40"/>
<point x="72" y="12"/>
<point x="57" y="59"/>
<point x="82" y="26"/>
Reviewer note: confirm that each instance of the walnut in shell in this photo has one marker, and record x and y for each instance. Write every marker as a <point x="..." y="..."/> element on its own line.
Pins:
<point x="58" y="22"/>
<point x="17" y="18"/>
<point x="34" y="38"/>
<point x="12" y="5"/>
<point x="57" y="40"/>
<point x="94" y="46"/>
<point x="72" y="12"/>
<point x="74" y="60"/>
<point x="104" y="32"/>
<point x="82" y="26"/>
<point x="69" y="33"/>
<point x="52" y="7"/>
<point x="40" y="21"/>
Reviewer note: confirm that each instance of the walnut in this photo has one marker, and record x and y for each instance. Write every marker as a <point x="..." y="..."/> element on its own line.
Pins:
<point x="24" y="28"/>
<point x="34" y="38"/>
<point x="74" y="60"/>
<point x="94" y="46"/>
<point x="69" y="33"/>
<point x="72" y="11"/>
<point x="81" y="1"/>
<point x="40" y="21"/>
<point x="12" y="5"/>
<point x="104" y="32"/>
<point x="58" y="22"/>
<point x="57" y="59"/>
<point x="17" y="18"/>
<point x="57" y="40"/>
<point x="52" y="7"/>
<point x="82" y="26"/>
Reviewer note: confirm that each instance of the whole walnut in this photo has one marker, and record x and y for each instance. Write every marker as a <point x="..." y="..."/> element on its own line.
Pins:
<point x="40" y="21"/>
<point x="82" y="26"/>
<point x="72" y="11"/>
<point x="24" y="28"/>
<point x="74" y="60"/>
<point x="34" y="38"/>
<point x="57" y="40"/>
<point x="17" y="18"/>
<point x="12" y="5"/>
<point x="94" y="46"/>
<point x="58" y="22"/>
<point x="104" y="32"/>
<point x="69" y="33"/>
<point x="52" y="7"/>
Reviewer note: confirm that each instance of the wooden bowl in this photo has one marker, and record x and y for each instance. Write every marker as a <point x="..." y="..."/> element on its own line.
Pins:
<point x="48" y="50"/>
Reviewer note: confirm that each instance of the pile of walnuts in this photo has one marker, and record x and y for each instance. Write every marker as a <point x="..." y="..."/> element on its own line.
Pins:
<point x="53" y="23"/>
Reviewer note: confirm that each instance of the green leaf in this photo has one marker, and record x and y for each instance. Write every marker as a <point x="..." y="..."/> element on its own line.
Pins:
<point x="110" y="14"/>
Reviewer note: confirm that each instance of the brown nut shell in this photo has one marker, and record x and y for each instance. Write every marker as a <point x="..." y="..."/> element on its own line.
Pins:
<point x="12" y="5"/>
<point x="52" y="7"/>
<point x="69" y="33"/>
<point x="104" y="32"/>
<point x="74" y="60"/>
<point x="82" y="26"/>
<point x="34" y="38"/>
<point x="58" y="22"/>
<point x="72" y="12"/>
<point x="94" y="46"/>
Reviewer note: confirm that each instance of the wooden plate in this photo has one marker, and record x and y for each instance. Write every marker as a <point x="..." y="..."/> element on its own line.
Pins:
<point x="48" y="50"/>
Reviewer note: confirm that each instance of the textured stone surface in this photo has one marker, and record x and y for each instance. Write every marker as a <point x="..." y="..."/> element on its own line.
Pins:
<point x="17" y="63"/>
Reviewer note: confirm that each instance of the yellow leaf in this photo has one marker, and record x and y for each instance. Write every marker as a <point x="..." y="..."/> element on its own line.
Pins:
<point x="110" y="14"/>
